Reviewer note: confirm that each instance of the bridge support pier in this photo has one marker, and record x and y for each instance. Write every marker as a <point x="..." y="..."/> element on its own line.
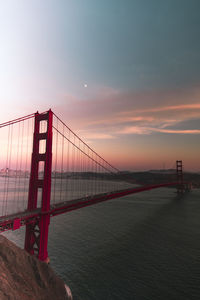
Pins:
<point x="36" y="238"/>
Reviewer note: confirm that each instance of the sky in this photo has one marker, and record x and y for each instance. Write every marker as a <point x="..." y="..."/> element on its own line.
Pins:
<point x="123" y="74"/>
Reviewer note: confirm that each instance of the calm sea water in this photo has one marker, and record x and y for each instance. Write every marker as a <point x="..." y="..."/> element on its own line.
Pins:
<point x="143" y="246"/>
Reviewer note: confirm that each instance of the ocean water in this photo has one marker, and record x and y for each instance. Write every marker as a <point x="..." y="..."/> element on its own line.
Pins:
<point x="143" y="246"/>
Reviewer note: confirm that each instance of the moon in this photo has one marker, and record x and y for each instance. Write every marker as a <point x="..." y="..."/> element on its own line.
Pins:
<point x="85" y="85"/>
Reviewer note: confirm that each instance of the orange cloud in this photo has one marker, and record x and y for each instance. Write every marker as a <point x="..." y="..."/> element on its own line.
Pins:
<point x="108" y="113"/>
<point x="149" y="130"/>
<point x="95" y="136"/>
<point x="173" y="107"/>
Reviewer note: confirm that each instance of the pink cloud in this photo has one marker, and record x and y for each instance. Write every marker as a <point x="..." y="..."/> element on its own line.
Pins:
<point x="135" y="130"/>
<point x="95" y="136"/>
<point x="174" y="131"/>
<point x="149" y="130"/>
<point x="106" y="113"/>
<point x="173" y="107"/>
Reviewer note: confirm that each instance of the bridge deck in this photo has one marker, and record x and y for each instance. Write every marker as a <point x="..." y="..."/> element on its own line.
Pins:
<point x="15" y="221"/>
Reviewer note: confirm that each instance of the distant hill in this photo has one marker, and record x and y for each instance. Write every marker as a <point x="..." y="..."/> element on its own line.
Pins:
<point x="159" y="176"/>
<point x="163" y="171"/>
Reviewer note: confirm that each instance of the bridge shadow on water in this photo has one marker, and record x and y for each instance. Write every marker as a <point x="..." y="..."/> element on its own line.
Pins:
<point x="153" y="256"/>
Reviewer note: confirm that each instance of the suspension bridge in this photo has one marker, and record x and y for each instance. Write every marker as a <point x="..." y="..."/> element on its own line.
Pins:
<point x="48" y="170"/>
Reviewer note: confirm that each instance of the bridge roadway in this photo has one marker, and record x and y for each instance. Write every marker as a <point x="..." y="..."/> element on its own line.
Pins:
<point x="15" y="221"/>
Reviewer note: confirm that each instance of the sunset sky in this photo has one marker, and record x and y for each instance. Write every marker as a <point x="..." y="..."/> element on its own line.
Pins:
<point x="123" y="74"/>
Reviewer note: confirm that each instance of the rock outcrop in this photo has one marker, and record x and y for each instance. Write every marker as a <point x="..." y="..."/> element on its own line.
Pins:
<point x="23" y="277"/>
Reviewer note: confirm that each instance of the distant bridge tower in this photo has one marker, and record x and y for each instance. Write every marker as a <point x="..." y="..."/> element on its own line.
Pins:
<point x="36" y="237"/>
<point x="179" y="173"/>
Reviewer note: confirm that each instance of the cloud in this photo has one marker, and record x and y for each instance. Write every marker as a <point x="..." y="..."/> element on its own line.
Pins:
<point x="149" y="130"/>
<point x="109" y="113"/>
<point x="147" y="124"/>
<point x="187" y="107"/>
<point x="95" y="136"/>
<point x="174" y="131"/>
<point x="135" y="130"/>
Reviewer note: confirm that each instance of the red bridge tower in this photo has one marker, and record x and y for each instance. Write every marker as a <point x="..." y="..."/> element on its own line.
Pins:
<point x="36" y="237"/>
<point x="179" y="173"/>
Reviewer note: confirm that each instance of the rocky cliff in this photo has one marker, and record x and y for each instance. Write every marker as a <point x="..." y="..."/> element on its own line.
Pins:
<point x="23" y="277"/>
